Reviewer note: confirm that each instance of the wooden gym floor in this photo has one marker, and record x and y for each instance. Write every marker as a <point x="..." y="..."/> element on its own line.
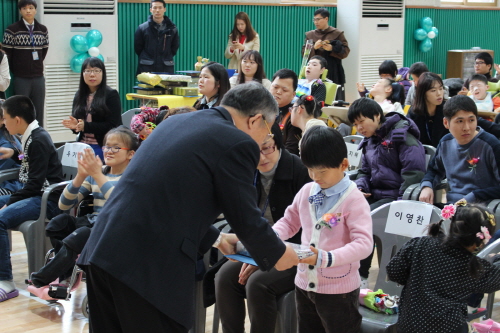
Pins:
<point x="27" y="314"/>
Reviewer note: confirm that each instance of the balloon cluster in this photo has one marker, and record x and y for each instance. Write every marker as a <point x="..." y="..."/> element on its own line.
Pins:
<point x="85" y="47"/>
<point x="425" y="34"/>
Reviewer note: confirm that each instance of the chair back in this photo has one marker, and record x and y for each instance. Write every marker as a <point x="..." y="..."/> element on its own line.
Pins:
<point x="127" y="116"/>
<point x="353" y="154"/>
<point x="388" y="244"/>
<point x="355" y="139"/>
<point x="493" y="248"/>
<point x="430" y="151"/>
<point x="331" y="92"/>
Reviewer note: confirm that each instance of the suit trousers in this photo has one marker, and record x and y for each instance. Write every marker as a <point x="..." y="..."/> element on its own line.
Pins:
<point x="116" y="308"/>
<point x="261" y="290"/>
<point x="34" y="88"/>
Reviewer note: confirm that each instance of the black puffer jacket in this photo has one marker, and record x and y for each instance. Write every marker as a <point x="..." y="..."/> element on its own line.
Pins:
<point x="156" y="48"/>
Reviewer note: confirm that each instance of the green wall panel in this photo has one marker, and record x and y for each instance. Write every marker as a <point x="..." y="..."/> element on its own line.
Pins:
<point x="204" y="31"/>
<point x="458" y="29"/>
<point x="8" y="15"/>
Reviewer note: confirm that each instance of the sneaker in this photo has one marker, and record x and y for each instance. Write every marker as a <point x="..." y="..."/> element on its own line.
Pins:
<point x="364" y="283"/>
<point x="472" y="310"/>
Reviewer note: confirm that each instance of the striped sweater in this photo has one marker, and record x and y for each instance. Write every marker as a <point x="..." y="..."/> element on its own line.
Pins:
<point x="72" y="195"/>
<point x="19" y="46"/>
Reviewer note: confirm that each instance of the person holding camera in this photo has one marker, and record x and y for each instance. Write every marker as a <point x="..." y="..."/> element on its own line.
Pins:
<point x="241" y="39"/>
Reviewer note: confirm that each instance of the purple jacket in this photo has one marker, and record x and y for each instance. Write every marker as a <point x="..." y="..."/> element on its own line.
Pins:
<point x="393" y="158"/>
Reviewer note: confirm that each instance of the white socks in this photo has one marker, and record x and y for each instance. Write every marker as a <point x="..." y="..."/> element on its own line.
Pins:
<point x="7" y="285"/>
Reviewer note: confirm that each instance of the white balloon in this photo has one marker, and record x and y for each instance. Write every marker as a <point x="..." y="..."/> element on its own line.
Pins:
<point x="431" y="35"/>
<point x="94" y="51"/>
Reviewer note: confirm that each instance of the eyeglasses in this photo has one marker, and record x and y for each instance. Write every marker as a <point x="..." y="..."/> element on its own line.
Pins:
<point x="270" y="135"/>
<point x="90" y="71"/>
<point x="478" y="63"/>
<point x="268" y="150"/>
<point x="114" y="149"/>
<point x="316" y="19"/>
<point x="290" y="109"/>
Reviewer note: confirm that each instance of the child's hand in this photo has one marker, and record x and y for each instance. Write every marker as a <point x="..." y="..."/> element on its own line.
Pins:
<point x="312" y="259"/>
<point x="497" y="68"/>
<point x="6" y="153"/>
<point x="361" y="87"/>
<point x="91" y="162"/>
<point x="81" y="170"/>
<point x="464" y="91"/>
<point x="245" y="272"/>
<point x="70" y="123"/>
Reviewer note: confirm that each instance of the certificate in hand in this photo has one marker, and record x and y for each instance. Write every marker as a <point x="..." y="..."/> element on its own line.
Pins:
<point x="244" y="256"/>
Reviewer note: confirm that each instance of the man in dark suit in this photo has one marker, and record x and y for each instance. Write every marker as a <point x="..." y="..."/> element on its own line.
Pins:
<point x="140" y="258"/>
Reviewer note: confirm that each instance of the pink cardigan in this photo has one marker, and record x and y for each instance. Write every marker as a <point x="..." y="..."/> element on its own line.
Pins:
<point x="349" y="241"/>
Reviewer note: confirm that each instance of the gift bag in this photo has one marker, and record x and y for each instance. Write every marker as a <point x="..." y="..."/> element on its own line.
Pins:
<point x="378" y="301"/>
<point x="487" y="326"/>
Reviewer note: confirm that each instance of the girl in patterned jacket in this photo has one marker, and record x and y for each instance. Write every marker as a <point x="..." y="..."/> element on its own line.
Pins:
<point x="440" y="271"/>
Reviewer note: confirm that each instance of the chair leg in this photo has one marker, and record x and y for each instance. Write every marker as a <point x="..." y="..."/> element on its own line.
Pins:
<point x="216" y="320"/>
<point x="489" y="305"/>
<point x="200" y="311"/>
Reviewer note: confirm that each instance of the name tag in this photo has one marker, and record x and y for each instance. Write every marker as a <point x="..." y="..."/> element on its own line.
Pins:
<point x="35" y="55"/>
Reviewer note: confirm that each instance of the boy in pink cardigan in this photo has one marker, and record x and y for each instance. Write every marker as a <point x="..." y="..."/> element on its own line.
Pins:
<point x="336" y="224"/>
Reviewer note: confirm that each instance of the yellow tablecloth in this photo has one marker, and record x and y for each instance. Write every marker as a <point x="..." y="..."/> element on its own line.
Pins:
<point x="172" y="101"/>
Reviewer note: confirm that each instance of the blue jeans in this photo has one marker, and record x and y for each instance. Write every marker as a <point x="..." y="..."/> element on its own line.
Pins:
<point x="12" y="216"/>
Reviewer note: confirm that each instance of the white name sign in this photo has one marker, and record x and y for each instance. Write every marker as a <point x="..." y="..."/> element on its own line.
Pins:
<point x="70" y="154"/>
<point x="408" y="219"/>
<point x="353" y="155"/>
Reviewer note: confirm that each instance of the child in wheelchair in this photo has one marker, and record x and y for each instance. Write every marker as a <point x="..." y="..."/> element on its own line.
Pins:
<point x="68" y="234"/>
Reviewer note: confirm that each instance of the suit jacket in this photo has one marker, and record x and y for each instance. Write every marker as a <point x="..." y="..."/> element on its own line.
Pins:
<point x="192" y="167"/>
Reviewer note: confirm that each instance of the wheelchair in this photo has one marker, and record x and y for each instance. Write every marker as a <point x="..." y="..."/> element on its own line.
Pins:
<point x="56" y="291"/>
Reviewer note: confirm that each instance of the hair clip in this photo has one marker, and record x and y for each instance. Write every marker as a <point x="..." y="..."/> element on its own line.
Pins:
<point x="448" y="211"/>
<point x="309" y="98"/>
<point x="322" y="104"/>
<point x="484" y="234"/>
<point x="491" y="218"/>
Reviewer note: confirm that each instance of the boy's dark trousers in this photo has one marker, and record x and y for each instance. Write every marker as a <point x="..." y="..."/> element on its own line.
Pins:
<point x="329" y="313"/>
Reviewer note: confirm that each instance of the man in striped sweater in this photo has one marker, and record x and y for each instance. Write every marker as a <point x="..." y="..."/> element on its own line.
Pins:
<point x="26" y="43"/>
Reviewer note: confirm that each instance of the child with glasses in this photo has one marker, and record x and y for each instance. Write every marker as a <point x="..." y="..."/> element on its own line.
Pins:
<point x="336" y="224"/>
<point x="96" y="106"/>
<point x="68" y="234"/>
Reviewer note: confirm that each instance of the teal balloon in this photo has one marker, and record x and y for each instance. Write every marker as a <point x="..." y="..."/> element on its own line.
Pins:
<point x="100" y="57"/>
<point x="426" y="45"/>
<point x="94" y="38"/>
<point x="420" y="34"/>
<point x="77" y="62"/>
<point x="426" y="23"/>
<point x="78" y="44"/>
<point x="435" y="31"/>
